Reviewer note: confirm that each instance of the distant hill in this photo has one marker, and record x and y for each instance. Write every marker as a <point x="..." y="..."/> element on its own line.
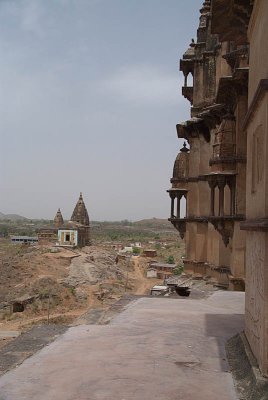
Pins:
<point x="12" y="217"/>
<point x="154" y="223"/>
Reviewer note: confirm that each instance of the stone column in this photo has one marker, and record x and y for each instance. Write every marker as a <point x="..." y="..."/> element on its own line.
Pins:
<point x="172" y="196"/>
<point x="221" y="185"/>
<point x="185" y="79"/>
<point x="186" y="205"/>
<point x="212" y="185"/>
<point x="232" y="200"/>
<point x="179" y="196"/>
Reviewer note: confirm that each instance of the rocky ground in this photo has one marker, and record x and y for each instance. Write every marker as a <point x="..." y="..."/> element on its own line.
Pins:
<point x="62" y="283"/>
<point x="63" y="287"/>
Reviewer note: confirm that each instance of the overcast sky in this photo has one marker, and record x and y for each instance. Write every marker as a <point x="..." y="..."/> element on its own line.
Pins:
<point x="90" y="94"/>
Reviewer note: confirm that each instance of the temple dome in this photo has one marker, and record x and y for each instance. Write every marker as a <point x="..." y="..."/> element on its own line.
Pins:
<point x="190" y="52"/>
<point x="80" y="214"/>
<point x="181" y="165"/>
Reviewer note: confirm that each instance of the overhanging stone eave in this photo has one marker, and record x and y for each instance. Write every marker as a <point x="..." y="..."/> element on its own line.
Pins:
<point x="177" y="190"/>
<point x="213" y="114"/>
<point x="193" y="128"/>
<point x="230" y="19"/>
<point x="232" y="85"/>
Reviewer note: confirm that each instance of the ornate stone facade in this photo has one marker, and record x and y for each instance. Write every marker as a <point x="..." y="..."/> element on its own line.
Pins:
<point x="224" y="173"/>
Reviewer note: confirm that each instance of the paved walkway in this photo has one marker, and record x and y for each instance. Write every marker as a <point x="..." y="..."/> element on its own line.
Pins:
<point x="158" y="348"/>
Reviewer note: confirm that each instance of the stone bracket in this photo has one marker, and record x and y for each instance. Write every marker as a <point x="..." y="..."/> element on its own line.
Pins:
<point x="224" y="226"/>
<point x="180" y="225"/>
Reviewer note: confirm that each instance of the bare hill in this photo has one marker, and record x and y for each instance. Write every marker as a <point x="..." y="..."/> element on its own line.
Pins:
<point x="12" y="217"/>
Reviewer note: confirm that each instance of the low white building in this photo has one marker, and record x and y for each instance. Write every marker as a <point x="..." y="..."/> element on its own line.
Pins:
<point x="151" y="273"/>
<point x="24" y="239"/>
<point x="67" y="237"/>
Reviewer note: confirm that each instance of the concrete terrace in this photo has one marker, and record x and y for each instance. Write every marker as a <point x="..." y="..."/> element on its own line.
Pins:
<point x="158" y="348"/>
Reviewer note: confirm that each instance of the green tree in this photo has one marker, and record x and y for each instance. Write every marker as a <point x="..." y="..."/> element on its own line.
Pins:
<point x="136" y="250"/>
<point x="178" y="270"/>
<point x="170" y="260"/>
<point x="4" y="231"/>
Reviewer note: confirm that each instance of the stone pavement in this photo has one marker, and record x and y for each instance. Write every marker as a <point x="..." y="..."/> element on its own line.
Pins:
<point x="158" y="348"/>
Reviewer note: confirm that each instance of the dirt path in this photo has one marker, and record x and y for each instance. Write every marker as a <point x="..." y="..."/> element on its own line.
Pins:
<point x="143" y="284"/>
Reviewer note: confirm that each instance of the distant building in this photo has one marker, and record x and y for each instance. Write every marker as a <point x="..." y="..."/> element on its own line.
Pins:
<point x="136" y="244"/>
<point x="68" y="237"/>
<point x="127" y="249"/>
<point x="151" y="273"/>
<point x="75" y="233"/>
<point x="47" y="235"/>
<point x="149" y="253"/>
<point x="117" y="246"/>
<point x="24" y="239"/>
<point x="163" y="271"/>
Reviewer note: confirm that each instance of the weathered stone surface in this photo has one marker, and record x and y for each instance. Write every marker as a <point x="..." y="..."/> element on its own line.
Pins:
<point x="159" y="349"/>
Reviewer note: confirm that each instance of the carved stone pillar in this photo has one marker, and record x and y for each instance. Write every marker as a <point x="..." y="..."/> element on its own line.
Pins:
<point x="231" y="185"/>
<point x="221" y="185"/>
<point x="179" y="196"/>
<point x="172" y="196"/>
<point x="212" y="185"/>
<point x="185" y="79"/>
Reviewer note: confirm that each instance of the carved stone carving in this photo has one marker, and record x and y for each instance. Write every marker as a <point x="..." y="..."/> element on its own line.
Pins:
<point x="187" y="92"/>
<point x="180" y="225"/>
<point x="225" y="228"/>
<point x="224" y="144"/>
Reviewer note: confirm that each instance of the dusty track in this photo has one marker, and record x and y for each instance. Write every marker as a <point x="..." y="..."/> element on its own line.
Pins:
<point x="142" y="284"/>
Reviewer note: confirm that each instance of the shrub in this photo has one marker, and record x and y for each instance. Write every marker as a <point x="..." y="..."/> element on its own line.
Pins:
<point x="170" y="259"/>
<point x="178" y="270"/>
<point x="136" y="250"/>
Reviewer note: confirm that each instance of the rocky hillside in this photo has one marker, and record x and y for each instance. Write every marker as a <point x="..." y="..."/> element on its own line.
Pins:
<point x="69" y="280"/>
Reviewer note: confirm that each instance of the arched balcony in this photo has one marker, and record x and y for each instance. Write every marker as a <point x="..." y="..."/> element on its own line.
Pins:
<point x="176" y="212"/>
<point x="187" y="68"/>
<point x="223" y="203"/>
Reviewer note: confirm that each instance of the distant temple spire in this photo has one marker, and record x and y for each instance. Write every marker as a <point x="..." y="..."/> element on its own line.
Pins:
<point x="58" y="220"/>
<point x="80" y="214"/>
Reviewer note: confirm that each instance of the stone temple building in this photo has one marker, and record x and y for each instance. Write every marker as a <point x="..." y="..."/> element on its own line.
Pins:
<point x="75" y="233"/>
<point x="222" y="169"/>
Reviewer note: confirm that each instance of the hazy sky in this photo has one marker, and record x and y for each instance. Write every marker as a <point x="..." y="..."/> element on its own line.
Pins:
<point x="90" y="94"/>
